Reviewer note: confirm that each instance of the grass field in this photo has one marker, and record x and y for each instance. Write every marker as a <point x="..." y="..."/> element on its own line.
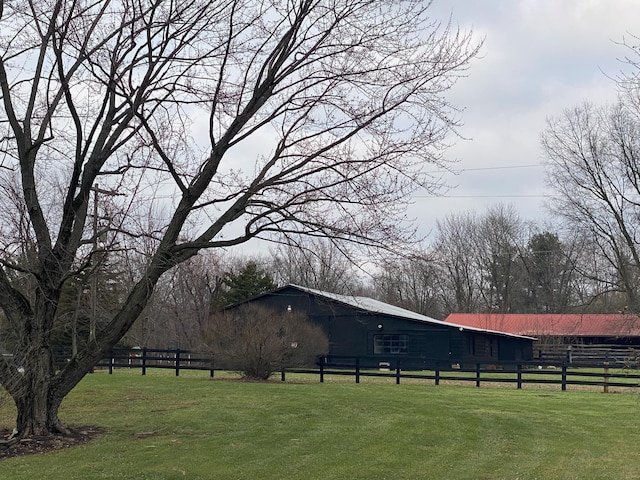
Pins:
<point x="191" y="427"/>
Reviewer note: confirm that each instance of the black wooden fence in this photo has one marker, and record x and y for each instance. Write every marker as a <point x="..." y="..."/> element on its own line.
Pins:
<point x="559" y="373"/>
<point x="145" y="358"/>
<point x="562" y="374"/>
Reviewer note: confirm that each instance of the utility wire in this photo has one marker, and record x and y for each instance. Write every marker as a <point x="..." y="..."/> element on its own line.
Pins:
<point x="504" y="167"/>
<point x="533" y="195"/>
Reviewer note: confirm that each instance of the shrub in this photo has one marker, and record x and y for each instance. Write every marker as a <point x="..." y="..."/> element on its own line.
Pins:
<point x="259" y="341"/>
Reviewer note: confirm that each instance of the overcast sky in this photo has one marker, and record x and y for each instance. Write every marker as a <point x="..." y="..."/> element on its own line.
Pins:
<point x="539" y="57"/>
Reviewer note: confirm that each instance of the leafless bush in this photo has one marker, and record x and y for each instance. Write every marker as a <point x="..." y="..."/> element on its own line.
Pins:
<point x="259" y="341"/>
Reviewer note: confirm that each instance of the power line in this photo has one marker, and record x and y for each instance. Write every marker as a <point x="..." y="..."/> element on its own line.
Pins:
<point x="535" y="195"/>
<point x="504" y="167"/>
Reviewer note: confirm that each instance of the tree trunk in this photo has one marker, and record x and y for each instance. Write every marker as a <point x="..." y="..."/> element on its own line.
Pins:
<point x="38" y="415"/>
<point x="36" y="399"/>
<point x="36" y="388"/>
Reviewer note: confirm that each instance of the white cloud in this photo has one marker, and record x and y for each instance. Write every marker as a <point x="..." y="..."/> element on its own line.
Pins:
<point x="539" y="58"/>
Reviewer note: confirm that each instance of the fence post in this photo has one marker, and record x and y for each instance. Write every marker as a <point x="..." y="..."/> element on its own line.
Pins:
<point x="564" y="377"/>
<point x="357" y="369"/>
<point x="144" y="361"/>
<point x="398" y="372"/>
<point x="178" y="362"/>
<point x="282" y="375"/>
<point x="477" y="375"/>
<point x="321" y="369"/>
<point x="437" y="372"/>
<point x="606" y="377"/>
<point x="111" y="360"/>
<point x="519" y="376"/>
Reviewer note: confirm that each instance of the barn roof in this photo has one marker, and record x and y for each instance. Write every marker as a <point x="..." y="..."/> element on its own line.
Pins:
<point x="542" y="324"/>
<point x="375" y="306"/>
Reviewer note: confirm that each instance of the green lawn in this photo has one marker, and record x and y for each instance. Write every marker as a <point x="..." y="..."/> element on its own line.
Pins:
<point x="163" y="427"/>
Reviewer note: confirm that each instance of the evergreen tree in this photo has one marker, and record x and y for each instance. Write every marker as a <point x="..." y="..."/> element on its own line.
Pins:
<point x="247" y="283"/>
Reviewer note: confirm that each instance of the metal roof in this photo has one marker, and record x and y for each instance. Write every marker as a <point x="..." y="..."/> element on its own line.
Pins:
<point x="543" y="324"/>
<point x="375" y="306"/>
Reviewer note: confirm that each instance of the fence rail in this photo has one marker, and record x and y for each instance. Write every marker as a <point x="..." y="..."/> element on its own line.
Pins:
<point x="622" y="355"/>
<point x="145" y="358"/>
<point x="562" y="374"/>
<point x="550" y="373"/>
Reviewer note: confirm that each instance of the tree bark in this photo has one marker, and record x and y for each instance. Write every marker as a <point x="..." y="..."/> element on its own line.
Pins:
<point x="36" y="400"/>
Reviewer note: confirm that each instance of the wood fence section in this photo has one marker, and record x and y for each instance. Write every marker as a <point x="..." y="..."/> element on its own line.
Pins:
<point x="563" y="374"/>
<point x="145" y="358"/>
<point x="621" y="355"/>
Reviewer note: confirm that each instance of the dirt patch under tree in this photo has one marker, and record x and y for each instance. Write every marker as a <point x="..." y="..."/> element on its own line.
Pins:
<point x="43" y="444"/>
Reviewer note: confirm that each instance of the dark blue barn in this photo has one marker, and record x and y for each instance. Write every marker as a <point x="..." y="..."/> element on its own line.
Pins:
<point x="378" y="333"/>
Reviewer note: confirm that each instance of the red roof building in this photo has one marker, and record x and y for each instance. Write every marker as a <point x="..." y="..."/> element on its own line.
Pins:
<point x="589" y="328"/>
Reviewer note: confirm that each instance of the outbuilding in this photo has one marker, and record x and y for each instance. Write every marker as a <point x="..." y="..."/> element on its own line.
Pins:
<point x="560" y="328"/>
<point x="379" y="334"/>
<point x="559" y="332"/>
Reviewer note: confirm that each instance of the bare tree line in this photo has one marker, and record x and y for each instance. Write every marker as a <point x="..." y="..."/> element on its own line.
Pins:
<point x="492" y="261"/>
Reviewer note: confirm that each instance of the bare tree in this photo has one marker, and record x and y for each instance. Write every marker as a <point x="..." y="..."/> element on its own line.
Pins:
<point x="628" y="81"/>
<point x="479" y="259"/>
<point x="410" y="282"/>
<point x="595" y="290"/>
<point x="593" y="166"/>
<point x="227" y="119"/>
<point x="315" y="263"/>
<point x="499" y="246"/>
<point x="454" y="250"/>
<point x="181" y="305"/>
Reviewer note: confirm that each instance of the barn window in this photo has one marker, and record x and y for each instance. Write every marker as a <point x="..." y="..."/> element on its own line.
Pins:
<point x="389" y="343"/>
